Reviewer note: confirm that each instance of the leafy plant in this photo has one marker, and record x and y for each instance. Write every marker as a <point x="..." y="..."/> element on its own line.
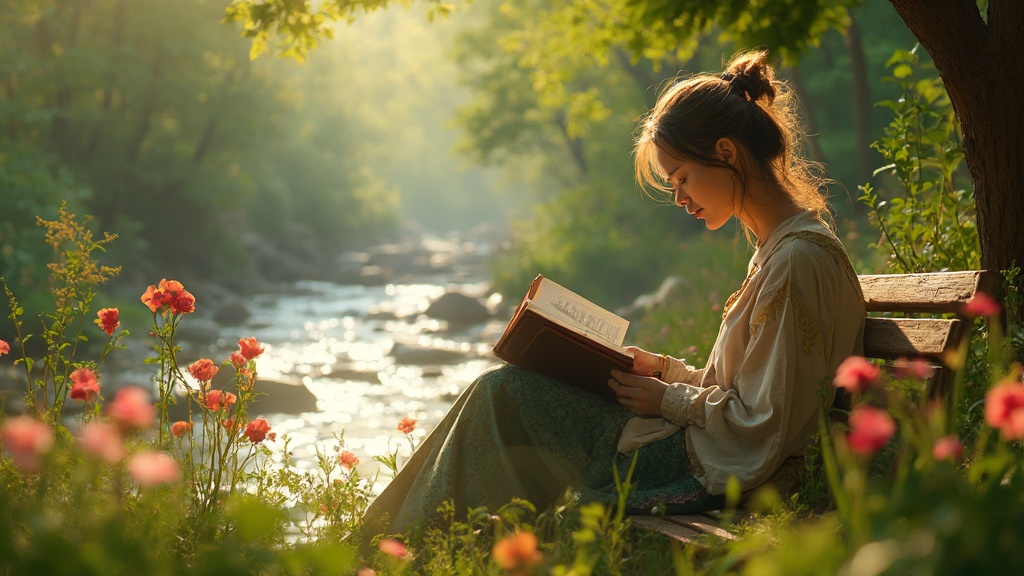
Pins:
<point x="930" y="225"/>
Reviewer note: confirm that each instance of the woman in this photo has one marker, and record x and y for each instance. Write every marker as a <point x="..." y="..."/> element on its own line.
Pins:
<point x="723" y="146"/>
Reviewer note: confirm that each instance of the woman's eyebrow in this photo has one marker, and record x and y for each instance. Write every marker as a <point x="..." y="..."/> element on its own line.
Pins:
<point x="672" y="172"/>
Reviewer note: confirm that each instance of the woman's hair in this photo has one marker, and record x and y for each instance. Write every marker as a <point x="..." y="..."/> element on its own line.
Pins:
<point x="745" y="104"/>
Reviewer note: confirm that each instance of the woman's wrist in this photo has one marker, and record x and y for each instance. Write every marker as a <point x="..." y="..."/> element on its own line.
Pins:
<point x="660" y="370"/>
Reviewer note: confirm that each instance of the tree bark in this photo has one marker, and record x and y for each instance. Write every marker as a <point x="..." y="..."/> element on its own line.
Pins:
<point x="982" y="66"/>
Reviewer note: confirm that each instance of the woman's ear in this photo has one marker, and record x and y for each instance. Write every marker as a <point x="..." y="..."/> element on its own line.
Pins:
<point x="726" y="148"/>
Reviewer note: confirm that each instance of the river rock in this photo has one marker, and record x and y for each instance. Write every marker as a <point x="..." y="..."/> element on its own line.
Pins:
<point x="459" y="309"/>
<point x="424" y="355"/>
<point x="671" y="289"/>
<point x="232" y="313"/>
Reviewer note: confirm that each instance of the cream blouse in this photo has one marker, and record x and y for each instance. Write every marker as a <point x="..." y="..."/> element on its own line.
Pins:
<point x="799" y="313"/>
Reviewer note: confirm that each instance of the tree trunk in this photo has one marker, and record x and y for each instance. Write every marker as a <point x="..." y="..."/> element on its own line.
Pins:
<point x="982" y="66"/>
<point x="861" y="99"/>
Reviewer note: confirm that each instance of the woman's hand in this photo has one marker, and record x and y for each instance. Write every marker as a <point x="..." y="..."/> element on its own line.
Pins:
<point x="645" y="363"/>
<point x="641" y="395"/>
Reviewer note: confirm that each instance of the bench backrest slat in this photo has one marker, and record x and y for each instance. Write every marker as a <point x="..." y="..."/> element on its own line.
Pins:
<point x="895" y="338"/>
<point x="932" y="292"/>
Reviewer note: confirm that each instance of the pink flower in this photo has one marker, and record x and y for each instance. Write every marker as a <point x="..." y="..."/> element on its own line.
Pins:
<point x="982" y="304"/>
<point x="26" y="440"/>
<point x="257" y="430"/>
<point x="85" y="386"/>
<point x="916" y="369"/>
<point x="5" y="348"/>
<point x="348" y="459"/>
<point x="855" y="374"/>
<point x="102" y="441"/>
<point x="108" y="320"/>
<point x="180" y="428"/>
<point x="517" y="552"/>
<point x="948" y="448"/>
<point x="407" y="425"/>
<point x="249" y="348"/>
<point x="870" y="430"/>
<point x="153" y="468"/>
<point x="1004" y="409"/>
<point x="392" y="547"/>
<point x="203" y="369"/>
<point x="131" y="408"/>
<point x="214" y="399"/>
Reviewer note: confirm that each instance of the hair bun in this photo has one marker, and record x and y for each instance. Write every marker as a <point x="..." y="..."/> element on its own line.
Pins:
<point x="751" y="75"/>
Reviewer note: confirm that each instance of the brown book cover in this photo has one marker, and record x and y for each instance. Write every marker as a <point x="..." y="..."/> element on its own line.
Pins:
<point x="560" y="334"/>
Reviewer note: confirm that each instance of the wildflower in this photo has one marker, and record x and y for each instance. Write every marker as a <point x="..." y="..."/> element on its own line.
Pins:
<point x="152" y="468"/>
<point x="231" y="425"/>
<point x="517" y="552"/>
<point x="870" y="430"/>
<point x="249" y="348"/>
<point x="26" y="440"/>
<point x="131" y="408"/>
<point x="238" y="360"/>
<point x="948" y="448"/>
<point x="180" y="428"/>
<point x="257" y="430"/>
<point x="348" y="459"/>
<point x="855" y="374"/>
<point x="407" y="425"/>
<point x="366" y="571"/>
<point x="392" y="547"/>
<point x="245" y="379"/>
<point x="916" y="369"/>
<point x="1004" y="409"/>
<point x="101" y="440"/>
<point x="85" y="386"/>
<point x="5" y="348"/>
<point x="982" y="304"/>
<point x="214" y="399"/>
<point x="108" y="320"/>
<point x="203" y="369"/>
<point x="169" y="295"/>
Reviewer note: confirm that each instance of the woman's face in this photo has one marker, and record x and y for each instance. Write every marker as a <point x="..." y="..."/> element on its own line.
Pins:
<point x="707" y="192"/>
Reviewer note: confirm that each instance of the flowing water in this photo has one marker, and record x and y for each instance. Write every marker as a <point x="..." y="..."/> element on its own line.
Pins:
<point x="338" y="340"/>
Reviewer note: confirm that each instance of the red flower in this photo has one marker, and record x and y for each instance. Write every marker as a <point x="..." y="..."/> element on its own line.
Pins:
<point x="231" y="425"/>
<point x="4" y="347"/>
<point x="1004" y="409"/>
<point x="870" y="430"/>
<point x="257" y="430"/>
<point x="407" y="425"/>
<point x="101" y="440"/>
<point x="855" y="374"/>
<point x="131" y="408"/>
<point x="85" y="386"/>
<point x="249" y="348"/>
<point x="203" y="369"/>
<point x="214" y="399"/>
<point x="916" y="369"/>
<point x="169" y="295"/>
<point x="348" y="459"/>
<point x="108" y="320"/>
<point x="238" y="360"/>
<point x="180" y="428"/>
<point x="948" y="448"/>
<point x="152" y="468"/>
<point x="392" y="547"/>
<point x="517" y="552"/>
<point x="26" y="440"/>
<point x="982" y="304"/>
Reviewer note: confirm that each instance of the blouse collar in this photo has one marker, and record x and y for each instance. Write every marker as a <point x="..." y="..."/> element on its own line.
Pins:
<point x="806" y="220"/>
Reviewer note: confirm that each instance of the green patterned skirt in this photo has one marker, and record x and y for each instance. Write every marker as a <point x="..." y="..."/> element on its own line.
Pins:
<point x="517" y="434"/>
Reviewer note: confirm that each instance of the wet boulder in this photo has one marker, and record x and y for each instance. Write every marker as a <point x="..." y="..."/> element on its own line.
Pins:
<point x="458" y="309"/>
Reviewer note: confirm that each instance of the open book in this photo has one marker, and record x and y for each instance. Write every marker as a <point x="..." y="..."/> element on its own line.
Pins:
<point x="560" y="334"/>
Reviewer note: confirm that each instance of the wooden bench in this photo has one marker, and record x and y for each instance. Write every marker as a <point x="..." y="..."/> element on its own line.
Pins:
<point x="929" y="325"/>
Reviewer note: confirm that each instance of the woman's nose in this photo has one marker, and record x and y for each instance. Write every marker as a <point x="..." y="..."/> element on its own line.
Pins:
<point x="680" y="199"/>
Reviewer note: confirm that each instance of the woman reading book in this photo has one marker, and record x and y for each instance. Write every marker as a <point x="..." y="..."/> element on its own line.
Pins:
<point x="724" y="146"/>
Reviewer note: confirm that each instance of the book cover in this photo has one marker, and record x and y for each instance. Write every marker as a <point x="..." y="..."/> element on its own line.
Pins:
<point x="562" y="335"/>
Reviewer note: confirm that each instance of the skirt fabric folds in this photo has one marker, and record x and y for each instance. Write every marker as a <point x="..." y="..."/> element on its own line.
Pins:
<point x="517" y="434"/>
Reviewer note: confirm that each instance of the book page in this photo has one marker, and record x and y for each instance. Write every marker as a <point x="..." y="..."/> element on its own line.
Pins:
<point x="577" y="313"/>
